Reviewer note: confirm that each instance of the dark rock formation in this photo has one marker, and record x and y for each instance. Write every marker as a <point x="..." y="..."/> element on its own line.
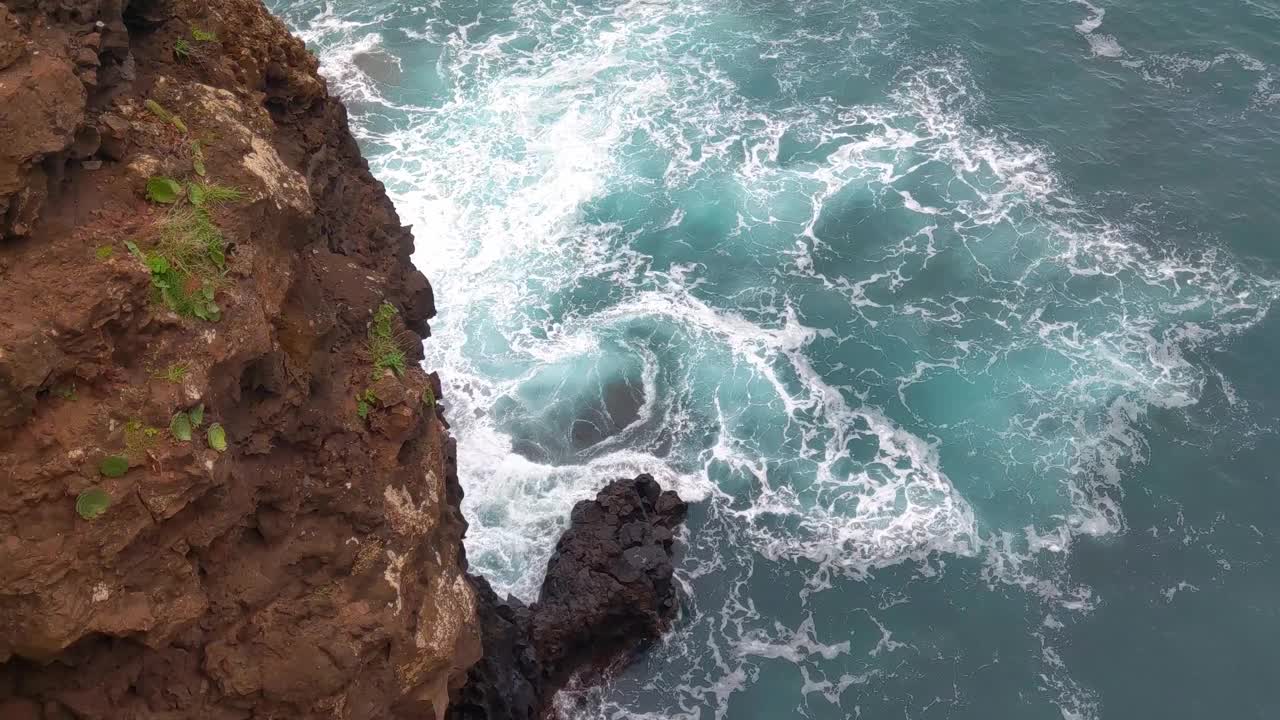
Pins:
<point x="608" y="592"/>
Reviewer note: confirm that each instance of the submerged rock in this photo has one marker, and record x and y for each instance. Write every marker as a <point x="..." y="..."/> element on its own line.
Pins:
<point x="608" y="592"/>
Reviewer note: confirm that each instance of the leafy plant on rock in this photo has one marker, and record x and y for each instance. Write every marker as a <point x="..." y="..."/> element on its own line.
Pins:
<point x="180" y="427"/>
<point x="200" y="35"/>
<point x="159" y="111"/>
<point x="365" y="402"/>
<point x="138" y="439"/>
<point x="163" y="190"/>
<point x="113" y="466"/>
<point x="383" y="346"/>
<point x="189" y="261"/>
<point x="174" y="373"/>
<point x="217" y="437"/>
<point x="92" y="502"/>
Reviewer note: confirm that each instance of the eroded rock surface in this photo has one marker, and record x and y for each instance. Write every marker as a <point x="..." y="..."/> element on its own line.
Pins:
<point x="608" y="592"/>
<point x="313" y="569"/>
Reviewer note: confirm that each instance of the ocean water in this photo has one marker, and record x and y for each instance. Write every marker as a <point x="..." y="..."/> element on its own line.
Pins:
<point x="954" y="318"/>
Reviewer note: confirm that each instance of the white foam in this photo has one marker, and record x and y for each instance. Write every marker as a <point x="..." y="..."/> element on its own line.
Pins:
<point x="1105" y="46"/>
<point x="1168" y="69"/>
<point x="1093" y="21"/>
<point x="497" y="180"/>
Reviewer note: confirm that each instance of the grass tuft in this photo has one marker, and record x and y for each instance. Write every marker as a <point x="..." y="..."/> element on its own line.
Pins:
<point x="175" y="373"/>
<point x="189" y="262"/>
<point x="203" y="195"/>
<point x="159" y="111"/>
<point x="200" y="35"/>
<point x="383" y="347"/>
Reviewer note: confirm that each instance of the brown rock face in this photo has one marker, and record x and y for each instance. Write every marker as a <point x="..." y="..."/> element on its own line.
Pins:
<point x="313" y="568"/>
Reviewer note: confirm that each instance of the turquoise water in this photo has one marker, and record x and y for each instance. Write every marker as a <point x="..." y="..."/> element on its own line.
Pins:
<point x="953" y="316"/>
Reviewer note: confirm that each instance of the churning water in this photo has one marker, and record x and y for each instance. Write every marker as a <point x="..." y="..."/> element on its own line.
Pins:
<point x="952" y="316"/>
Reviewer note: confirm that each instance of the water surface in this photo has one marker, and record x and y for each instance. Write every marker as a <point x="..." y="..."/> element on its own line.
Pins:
<point x="953" y="316"/>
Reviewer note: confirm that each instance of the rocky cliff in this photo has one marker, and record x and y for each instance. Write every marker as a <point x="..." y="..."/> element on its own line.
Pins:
<point x="226" y="486"/>
<point x="225" y="490"/>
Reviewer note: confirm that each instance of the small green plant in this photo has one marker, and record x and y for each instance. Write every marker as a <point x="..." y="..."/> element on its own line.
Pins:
<point x="182" y="49"/>
<point x="164" y="190"/>
<point x="365" y="402"/>
<point x="180" y="427"/>
<point x="174" y="373"/>
<point x="217" y="437"/>
<point x="202" y="35"/>
<point x="92" y="502"/>
<point x="66" y="391"/>
<point x="197" y="159"/>
<point x="139" y="438"/>
<point x="183" y="424"/>
<point x="189" y="261"/>
<point x="205" y="196"/>
<point x="159" y="111"/>
<point x="104" y="252"/>
<point x="114" y="466"/>
<point x="429" y="397"/>
<point x="177" y="292"/>
<point x="383" y="347"/>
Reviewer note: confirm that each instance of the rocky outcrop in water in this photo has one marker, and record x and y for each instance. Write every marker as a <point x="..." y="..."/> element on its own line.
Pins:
<point x="225" y="487"/>
<point x="608" y="592"/>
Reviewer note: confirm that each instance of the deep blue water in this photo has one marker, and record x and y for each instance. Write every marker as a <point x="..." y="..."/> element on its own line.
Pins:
<point x="955" y="318"/>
